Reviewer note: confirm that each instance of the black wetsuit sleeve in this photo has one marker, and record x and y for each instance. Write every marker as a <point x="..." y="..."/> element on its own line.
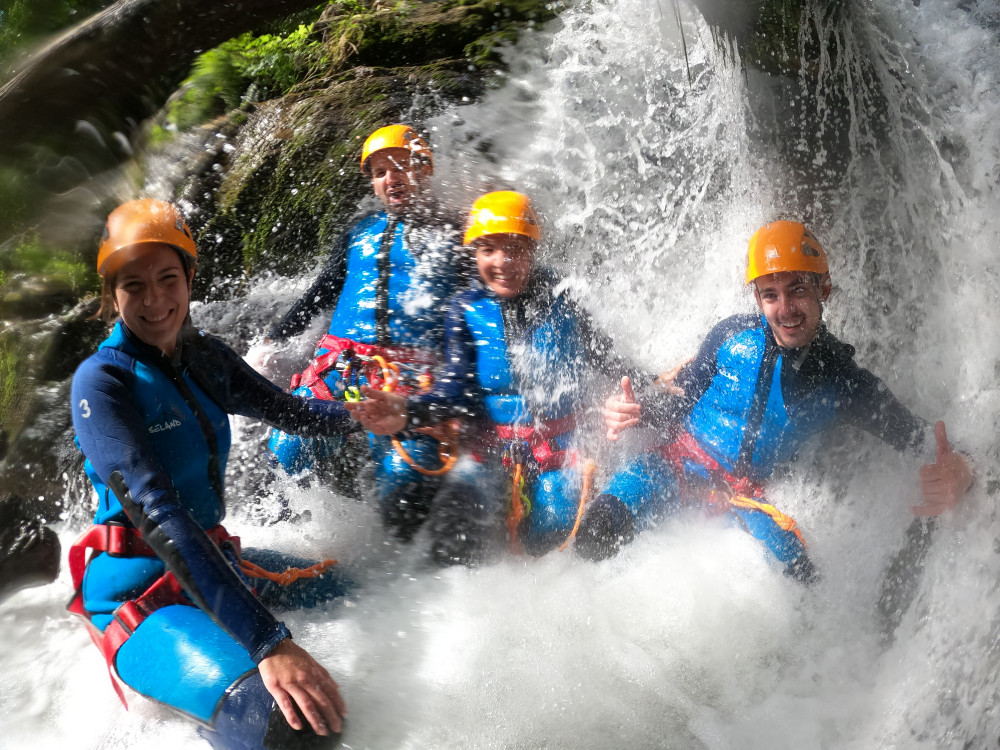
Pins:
<point x="322" y="295"/>
<point x="239" y="389"/>
<point x="662" y="410"/>
<point x="866" y="402"/>
<point x="455" y="392"/>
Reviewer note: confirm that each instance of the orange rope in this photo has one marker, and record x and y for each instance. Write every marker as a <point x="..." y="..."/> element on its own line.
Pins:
<point x="588" y="477"/>
<point x="289" y="576"/>
<point x="516" y="514"/>
<point x="448" y="449"/>
<point x="784" y="521"/>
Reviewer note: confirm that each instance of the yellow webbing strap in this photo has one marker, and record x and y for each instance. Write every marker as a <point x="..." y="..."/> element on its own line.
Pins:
<point x="588" y="477"/>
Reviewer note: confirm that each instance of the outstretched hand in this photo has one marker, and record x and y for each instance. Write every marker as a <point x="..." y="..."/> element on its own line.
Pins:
<point x="621" y="412"/>
<point x="381" y="412"/>
<point x="944" y="482"/>
<point x="667" y="381"/>
<point x="294" y="678"/>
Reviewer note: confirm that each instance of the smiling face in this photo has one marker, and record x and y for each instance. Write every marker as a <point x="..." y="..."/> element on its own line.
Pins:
<point x="152" y="293"/>
<point x="396" y="180"/>
<point x="504" y="262"/>
<point x="792" y="303"/>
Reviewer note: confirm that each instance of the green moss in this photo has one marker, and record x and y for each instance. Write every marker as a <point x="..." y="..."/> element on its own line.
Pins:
<point x="247" y="68"/>
<point x="15" y="382"/>
<point x="24" y="22"/>
<point x="417" y="33"/>
<point x="30" y="257"/>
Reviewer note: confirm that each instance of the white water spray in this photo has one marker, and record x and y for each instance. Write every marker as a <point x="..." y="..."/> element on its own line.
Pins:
<point x="650" y="187"/>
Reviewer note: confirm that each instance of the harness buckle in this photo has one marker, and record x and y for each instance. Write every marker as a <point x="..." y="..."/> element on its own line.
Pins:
<point x="118" y="539"/>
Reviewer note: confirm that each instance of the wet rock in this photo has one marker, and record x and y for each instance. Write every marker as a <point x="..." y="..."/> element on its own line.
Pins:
<point x="29" y="551"/>
<point x="36" y="297"/>
<point x="40" y="460"/>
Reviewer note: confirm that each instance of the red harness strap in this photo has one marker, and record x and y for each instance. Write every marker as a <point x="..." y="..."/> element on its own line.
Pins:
<point x="312" y="376"/>
<point x="740" y="492"/>
<point x="537" y="437"/>
<point x="125" y="541"/>
<point x="685" y="447"/>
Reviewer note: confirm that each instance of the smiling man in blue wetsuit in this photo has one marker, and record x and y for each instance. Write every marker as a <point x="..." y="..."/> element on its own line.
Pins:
<point x="386" y="281"/>
<point x="520" y="354"/>
<point x="760" y="386"/>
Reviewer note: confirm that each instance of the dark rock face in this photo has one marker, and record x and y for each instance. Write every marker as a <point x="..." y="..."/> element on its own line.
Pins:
<point x="39" y="457"/>
<point x="108" y="68"/>
<point x="29" y="551"/>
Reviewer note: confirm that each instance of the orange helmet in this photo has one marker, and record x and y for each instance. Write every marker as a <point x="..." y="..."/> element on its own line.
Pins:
<point x="138" y="223"/>
<point x="396" y="136"/>
<point x="784" y="246"/>
<point x="502" y="212"/>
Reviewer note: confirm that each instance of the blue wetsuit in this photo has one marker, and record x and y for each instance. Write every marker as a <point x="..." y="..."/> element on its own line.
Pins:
<point x="749" y="404"/>
<point x="386" y="280"/>
<point x="512" y="364"/>
<point x="161" y="424"/>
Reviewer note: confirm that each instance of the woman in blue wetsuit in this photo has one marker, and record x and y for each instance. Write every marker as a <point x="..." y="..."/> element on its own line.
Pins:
<point x="518" y="353"/>
<point x="165" y="591"/>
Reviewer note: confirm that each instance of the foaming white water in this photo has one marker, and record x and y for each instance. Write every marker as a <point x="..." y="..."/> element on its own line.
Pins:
<point x="650" y="187"/>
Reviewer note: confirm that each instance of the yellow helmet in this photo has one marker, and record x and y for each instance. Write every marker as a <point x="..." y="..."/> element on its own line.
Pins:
<point x="784" y="246"/>
<point x="502" y="212"/>
<point x="138" y="223"/>
<point x="396" y="136"/>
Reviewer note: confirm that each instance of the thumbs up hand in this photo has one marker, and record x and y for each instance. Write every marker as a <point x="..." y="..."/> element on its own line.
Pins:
<point x="944" y="482"/>
<point x="621" y="411"/>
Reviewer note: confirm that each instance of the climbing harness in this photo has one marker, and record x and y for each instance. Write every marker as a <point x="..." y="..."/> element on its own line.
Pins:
<point x="399" y="369"/>
<point x="355" y="362"/>
<point x="520" y="508"/>
<point x="119" y="540"/>
<point x="447" y="454"/>
<point x="589" y="469"/>
<point x="727" y="491"/>
<point x="535" y="439"/>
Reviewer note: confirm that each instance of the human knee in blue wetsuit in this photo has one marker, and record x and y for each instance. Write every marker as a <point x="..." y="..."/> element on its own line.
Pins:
<point x="759" y="387"/>
<point x="519" y="357"/>
<point x="164" y="592"/>
<point x="386" y="280"/>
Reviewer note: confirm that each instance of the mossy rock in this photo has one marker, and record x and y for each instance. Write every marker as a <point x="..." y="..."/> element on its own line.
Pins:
<point x="39" y="353"/>
<point x="276" y="192"/>
<point x="414" y="33"/>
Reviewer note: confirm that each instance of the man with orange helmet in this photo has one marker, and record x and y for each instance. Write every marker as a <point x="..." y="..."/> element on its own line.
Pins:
<point x="758" y="388"/>
<point x="161" y="584"/>
<point x="386" y="281"/>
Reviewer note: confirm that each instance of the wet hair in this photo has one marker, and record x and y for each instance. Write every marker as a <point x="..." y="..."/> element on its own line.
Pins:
<point x="108" y="312"/>
<point x="812" y="276"/>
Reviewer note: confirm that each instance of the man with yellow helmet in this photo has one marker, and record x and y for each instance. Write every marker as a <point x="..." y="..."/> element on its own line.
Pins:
<point x="519" y="357"/>
<point x="759" y="387"/>
<point x="386" y="281"/>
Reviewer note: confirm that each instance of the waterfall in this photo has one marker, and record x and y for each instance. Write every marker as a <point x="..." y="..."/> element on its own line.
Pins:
<point x="651" y="171"/>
